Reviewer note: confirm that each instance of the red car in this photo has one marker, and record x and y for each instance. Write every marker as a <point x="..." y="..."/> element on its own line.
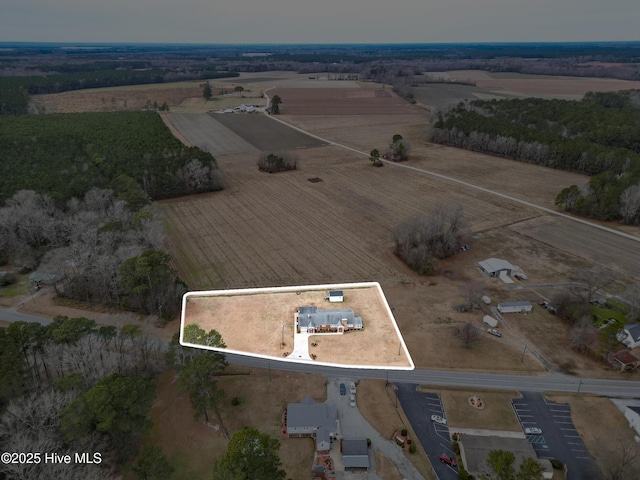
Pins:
<point x="448" y="460"/>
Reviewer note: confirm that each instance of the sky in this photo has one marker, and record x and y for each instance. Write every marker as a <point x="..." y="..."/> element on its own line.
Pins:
<point x="319" y="21"/>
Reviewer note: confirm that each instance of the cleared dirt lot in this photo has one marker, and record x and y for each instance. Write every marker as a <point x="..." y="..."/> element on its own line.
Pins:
<point x="258" y="322"/>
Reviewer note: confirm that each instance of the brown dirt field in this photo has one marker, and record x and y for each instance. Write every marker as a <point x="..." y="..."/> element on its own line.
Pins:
<point x="340" y="101"/>
<point x="497" y="415"/>
<point x="334" y="231"/>
<point x="536" y="85"/>
<point x="345" y="224"/>
<point x="193" y="446"/>
<point x="603" y="428"/>
<point x="134" y="97"/>
<point x="264" y="313"/>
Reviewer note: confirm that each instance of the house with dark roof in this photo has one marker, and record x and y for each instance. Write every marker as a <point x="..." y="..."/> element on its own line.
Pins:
<point x="355" y="453"/>
<point x="311" y="419"/>
<point x="630" y="335"/>
<point x="311" y="320"/>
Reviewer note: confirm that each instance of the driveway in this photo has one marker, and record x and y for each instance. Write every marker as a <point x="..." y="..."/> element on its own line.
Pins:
<point x="353" y="424"/>
<point x="434" y="438"/>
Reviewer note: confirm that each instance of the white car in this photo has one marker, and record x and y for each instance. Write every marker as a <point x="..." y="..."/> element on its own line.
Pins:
<point x="494" y="332"/>
<point x="438" y="419"/>
<point x="352" y="400"/>
<point x="533" y="431"/>
<point x="352" y="388"/>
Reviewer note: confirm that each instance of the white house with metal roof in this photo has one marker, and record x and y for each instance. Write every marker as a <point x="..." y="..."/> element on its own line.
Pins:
<point x="515" y="307"/>
<point x="630" y="335"/>
<point x="311" y="320"/>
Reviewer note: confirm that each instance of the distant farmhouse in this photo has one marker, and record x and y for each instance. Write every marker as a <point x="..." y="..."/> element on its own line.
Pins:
<point x="311" y="320"/>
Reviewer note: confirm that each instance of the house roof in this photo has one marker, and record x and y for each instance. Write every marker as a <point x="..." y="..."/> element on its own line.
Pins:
<point x="634" y="330"/>
<point x="523" y="303"/>
<point x="311" y="317"/>
<point x="315" y="415"/>
<point x="494" y="264"/>
<point x="323" y="434"/>
<point x="355" y="452"/>
<point x="626" y="358"/>
<point x="354" y="446"/>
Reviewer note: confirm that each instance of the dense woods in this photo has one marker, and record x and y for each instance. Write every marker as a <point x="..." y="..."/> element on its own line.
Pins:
<point x="101" y="249"/>
<point x="72" y="386"/>
<point x="597" y="136"/>
<point x="64" y="155"/>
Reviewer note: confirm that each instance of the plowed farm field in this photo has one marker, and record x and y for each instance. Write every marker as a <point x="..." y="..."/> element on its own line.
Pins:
<point x="340" y="101"/>
<point x="282" y="229"/>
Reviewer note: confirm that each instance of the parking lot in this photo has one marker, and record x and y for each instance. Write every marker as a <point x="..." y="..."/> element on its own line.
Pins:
<point x="434" y="438"/>
<point x="559" y="438"/>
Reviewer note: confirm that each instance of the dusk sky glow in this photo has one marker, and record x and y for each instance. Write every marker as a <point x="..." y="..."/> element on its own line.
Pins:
<point x="326" y="21"/>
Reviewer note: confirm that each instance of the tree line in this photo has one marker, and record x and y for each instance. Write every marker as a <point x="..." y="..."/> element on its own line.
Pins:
<point x="73" y="386"/>
<point x="103" y="250"/>
<point x="15" y="91"/>
<point x="64" y="155"/>
<point x="597" y="136"/>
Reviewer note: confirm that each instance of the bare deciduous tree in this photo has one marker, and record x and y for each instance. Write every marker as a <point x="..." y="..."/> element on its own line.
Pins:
<point x="468" y="333"/>
<point x="583" y="333"/>
<point x="473" y="294"/>
<point x="630" y="204"/>
<point x="590" y="281"/>
<point x="421" y="240"/>
<point x="624" y="463"/>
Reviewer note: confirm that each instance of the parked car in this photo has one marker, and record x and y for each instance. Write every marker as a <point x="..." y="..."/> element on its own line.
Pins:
<point x="444" y="458"/>
<point x="533" y="431"/>
<point x="352" y="400"/>
<point x="438" y="419"/>
<point x="352" y="388"/>
<point x="343" y="389"/>
<point x="494" y="332"/>
<point x="520" y="276"/>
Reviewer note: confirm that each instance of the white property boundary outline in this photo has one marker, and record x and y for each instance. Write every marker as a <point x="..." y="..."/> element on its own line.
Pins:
<point x="301" y="288"/>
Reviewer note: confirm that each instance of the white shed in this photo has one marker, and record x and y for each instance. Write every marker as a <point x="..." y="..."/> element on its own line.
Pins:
<point x="492" y="322"/>
<point x="515" y="307"/>
<point x="335" y="296"/>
